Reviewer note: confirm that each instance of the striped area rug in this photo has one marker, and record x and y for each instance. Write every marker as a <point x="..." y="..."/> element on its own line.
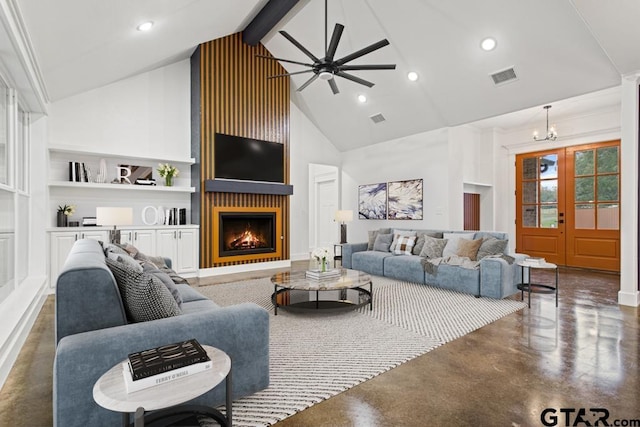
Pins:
<point x="314" y="356"/>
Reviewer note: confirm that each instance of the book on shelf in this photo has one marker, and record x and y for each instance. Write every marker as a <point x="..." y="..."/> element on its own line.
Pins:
<point x="166" y="358"/>
<point x="318" y="274"/>
<point x="132" y="385"/>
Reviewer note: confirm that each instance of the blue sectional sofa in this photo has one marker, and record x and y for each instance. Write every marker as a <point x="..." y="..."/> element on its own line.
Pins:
<point x="496" y="277"/>
<point x="93" y="334"/>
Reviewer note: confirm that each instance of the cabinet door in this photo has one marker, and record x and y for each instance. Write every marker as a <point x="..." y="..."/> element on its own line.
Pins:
<point x="127" y="237"/>
<point x="187" y="261"/>
<point x="95" y="235"/>
<point x="61" y="244"/>
<point x="145" y="241"/>
<point x="166" y="244"/>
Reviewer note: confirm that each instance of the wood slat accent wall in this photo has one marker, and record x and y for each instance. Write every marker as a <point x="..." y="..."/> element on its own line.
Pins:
<point x="236" y="98"/>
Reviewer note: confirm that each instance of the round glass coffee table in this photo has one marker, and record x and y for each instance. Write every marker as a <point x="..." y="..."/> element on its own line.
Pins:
<point x="294" y="291"/>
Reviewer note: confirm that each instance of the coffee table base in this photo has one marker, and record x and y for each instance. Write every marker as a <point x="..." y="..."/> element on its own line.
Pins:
<point x="282" y="297"/>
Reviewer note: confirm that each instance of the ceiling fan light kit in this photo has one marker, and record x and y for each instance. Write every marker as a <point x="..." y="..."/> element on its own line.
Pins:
<point x="327" y="68"/>
<point x="551" y="135"/>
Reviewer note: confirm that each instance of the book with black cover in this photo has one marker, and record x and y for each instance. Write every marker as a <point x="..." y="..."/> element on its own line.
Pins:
<point x="166" y="358"/>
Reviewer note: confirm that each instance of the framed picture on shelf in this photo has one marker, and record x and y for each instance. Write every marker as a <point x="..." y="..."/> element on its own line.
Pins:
<point x="130" y="174"/>
<point x="372" y="201"/>
<point x="405" y="199"/>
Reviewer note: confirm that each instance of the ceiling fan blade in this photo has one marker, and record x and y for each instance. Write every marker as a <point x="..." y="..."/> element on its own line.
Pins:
<point x="307" y="83"/>
<point x="367" y="67"/>
<point x="289" y="74"/>
<point x="362" y="52"/>
<point x="284" y="60"/>
<point x="333" y="45"/>
<point x="354" y="78"/>
<point x="299" y="46"/>
<point x="334" y="86"/>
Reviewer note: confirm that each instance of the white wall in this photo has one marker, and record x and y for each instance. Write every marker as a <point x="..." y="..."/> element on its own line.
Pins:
<point x="424" y="155"/>
<point x="307" y="146"/>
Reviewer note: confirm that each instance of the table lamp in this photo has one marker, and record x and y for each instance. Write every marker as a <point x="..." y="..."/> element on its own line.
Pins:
<point x="115" y="217"/>
<point x="343" y="217"/>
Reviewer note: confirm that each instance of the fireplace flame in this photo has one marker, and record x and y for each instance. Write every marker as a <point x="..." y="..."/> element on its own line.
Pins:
<point x="246" y="240"/>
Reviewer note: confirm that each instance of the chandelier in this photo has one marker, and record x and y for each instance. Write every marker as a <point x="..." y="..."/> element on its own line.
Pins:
<point x="551" y="135"/>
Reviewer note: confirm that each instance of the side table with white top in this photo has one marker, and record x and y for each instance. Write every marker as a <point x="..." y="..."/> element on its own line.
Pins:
<point x="538" y="288"/>
<point x="110" y="393"/>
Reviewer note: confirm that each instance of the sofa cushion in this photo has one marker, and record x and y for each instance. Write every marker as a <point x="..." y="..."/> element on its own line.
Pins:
<point x="126" y="259"/>
<point x="149" y="267"/>
<point x="189" y="294"/>
<point x="404" y="267"/>
<point x="373" y="234"/>
<point x="451" y="249"/>
<point x="144" y="296"/>
<point x="397" y="234"/>
<point x="371" y="262"/>
<point x="432" y="247"/>
<point x="417" y="248"/>
<point x="383" y="242"/>
<point x="469" y="248"/>
<point x="492" y="246"/>
<point x="198" y="305"/>
<point x="404" y="245"/>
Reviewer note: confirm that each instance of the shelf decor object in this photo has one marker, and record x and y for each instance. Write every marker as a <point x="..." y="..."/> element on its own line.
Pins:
<point x="114" y="216"/>
<point x="63" y="214"/>
<point x="167" y="172"/>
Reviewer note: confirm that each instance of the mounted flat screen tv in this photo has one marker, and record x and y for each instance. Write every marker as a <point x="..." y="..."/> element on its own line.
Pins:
<point x="248" y="159"/>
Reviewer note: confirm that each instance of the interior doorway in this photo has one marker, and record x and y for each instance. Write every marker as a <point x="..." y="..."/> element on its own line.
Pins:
<point x="323" y="204"/>
<point x="568" y="205"/>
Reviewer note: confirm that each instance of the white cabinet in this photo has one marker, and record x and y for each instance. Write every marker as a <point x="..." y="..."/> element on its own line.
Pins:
<point x="61" y="244"/>
<point x="181" y="245"/>
<point x="143" y="239"/>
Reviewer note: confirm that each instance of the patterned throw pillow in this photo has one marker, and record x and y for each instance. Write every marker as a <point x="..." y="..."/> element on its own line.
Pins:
<point x="491" y="246"/>
<point x="397" y="234"/>
<point x="469" y="248"/>
<point x="404" y="245"/>
<point x="382" y="243"/>
<point x="432" y="247"/>
<point x="452" y="245"/>
<point x="144" y="296"/>
<point x="417" y="248"/>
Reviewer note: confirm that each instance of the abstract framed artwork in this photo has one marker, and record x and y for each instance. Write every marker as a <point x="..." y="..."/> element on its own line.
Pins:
<point x="405" y="199"/>
<point x="372" y="201"/>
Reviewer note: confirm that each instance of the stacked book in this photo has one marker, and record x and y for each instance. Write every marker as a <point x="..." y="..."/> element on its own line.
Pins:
<point x="328" y="274"/>
<point x="160" y="365"/>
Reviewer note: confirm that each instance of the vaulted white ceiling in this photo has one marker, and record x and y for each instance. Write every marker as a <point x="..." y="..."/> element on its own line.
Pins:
<point x="558" y="48"/>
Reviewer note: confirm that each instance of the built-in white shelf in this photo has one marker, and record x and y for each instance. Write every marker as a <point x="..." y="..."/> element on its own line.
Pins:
<point x="121" y="187"/>
<point x="479" y="184"/>
<point x="83" y="152"/>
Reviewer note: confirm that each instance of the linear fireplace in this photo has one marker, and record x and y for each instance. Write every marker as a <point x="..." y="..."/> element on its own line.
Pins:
<point x="246" y="234"/>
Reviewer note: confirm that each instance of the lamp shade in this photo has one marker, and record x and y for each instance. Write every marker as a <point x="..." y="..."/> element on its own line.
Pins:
<point x="114" y="216"/>
<point x="344" y="216"/>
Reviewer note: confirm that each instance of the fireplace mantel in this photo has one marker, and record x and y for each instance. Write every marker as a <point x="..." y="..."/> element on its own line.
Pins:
<point x="247" y="187"/>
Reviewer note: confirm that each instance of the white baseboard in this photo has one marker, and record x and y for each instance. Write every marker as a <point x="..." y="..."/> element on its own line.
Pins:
<point x="629" y="298"/>
<point x="300" y="257"/>
<point x="19" y="312"/>
<point x="243" y="268"/>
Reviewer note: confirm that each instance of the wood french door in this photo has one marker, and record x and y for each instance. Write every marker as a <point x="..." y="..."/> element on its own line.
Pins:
<point x="568" y="205"/>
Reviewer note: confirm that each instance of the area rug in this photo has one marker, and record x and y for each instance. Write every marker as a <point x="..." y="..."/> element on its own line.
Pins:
<point x="314" y="356"/>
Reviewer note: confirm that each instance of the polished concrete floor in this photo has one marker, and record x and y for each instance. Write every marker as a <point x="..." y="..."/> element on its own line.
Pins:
<point x="583" y="354"/>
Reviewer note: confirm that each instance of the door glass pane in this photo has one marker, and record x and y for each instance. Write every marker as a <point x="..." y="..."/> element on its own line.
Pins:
<point x="608" y="188"/>
<point x="549" y="216"/>
<point x="530" y="168"/>
<point x="608" y="216"/>
<point x="585" y="216"/>
<point x="584" y="162"/>
<point x="584" y="189"/>
<point x="549" y="166"/>
<point x="608" y="160"/>
<point x="549" y="191"/>
<point x="529" y="216"/>
<point x="530" y="192"/>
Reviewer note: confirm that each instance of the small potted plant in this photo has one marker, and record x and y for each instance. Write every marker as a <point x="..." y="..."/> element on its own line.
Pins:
<point x="64" y="212"/>
<point x="322" y="257"/>
<point x="167" y="172"/>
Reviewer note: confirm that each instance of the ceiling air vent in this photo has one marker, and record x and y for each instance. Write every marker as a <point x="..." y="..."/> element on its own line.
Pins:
<point x="377" y="118"/>
<point x="504" y="76"/>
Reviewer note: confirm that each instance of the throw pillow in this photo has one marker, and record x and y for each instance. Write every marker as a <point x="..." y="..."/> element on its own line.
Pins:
<point x="397" y="234"/>
<point x="451" y="249"/>
<point x="112" y="248"/>
<point x="417" y="248"/>
<point x="432" y="247"/>
<point x="372" y="239"/>
<point x="382" y="243"/>
<point x="404" y="246"/>
<point x="469" y="248"/>
<point x="143" y="295"/>
<point x="125" y="259"/>
<point x="491" y="246"/>
<point x="149" y="267"/>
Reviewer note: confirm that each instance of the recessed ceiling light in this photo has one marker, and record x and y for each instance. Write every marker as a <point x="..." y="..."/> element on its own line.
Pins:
<point x="145" y="26"/>
<point x="362" y="98"/>
<point x="488" y="44"/>
<point x="412" y="75"/>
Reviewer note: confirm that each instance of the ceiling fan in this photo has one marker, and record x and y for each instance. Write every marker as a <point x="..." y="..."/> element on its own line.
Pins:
<point x="327" y="68"/>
